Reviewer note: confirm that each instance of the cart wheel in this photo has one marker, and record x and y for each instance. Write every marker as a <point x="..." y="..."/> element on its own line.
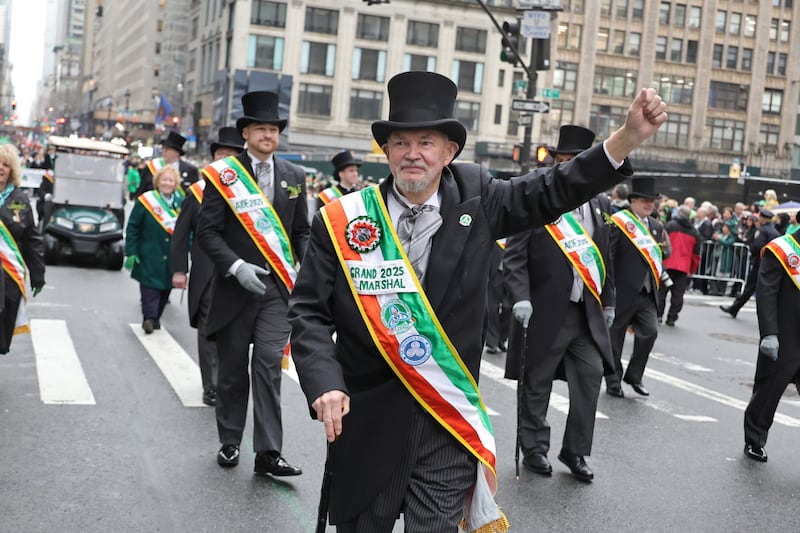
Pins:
<point x="115" y="256"/>
<point x="51" y="253"/>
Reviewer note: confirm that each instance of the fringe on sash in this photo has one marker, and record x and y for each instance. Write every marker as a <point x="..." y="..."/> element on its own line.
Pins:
<point x="481" y="513"/>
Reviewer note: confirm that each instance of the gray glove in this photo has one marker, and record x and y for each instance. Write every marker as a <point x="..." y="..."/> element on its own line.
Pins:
<point x="610" y="313"/>
<point x="769" y="347"/>
<point x="247" y="275"/>
<point x="522" y="312"/>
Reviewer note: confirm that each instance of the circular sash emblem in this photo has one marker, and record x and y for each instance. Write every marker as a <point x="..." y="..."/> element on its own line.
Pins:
<point x="263" y="225"/>
<point x="415" y="350"/>
<point x="793" y="260"/>
<point x="587" y="258"/>
<point x="396" y="316"/>
<point x="157" y="210"/>
<point x="228" y="176"/>
<point x="363" y="234"/>
<point x="631" y="227"/>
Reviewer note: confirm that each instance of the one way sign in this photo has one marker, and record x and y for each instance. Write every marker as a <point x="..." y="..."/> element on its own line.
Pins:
<point x="531" y="106"/>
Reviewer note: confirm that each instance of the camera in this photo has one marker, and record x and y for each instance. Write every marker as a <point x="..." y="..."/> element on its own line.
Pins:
<point x="666" y="280"/>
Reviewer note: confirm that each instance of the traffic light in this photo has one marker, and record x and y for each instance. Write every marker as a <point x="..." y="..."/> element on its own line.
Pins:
<point x="541" y="51"/>
<point x="176" y="121"/>
<point x="516" y="152"/>
<point x="14" y="104"/>
<point x="543" y="158"/>
<point x="511" y="41"/>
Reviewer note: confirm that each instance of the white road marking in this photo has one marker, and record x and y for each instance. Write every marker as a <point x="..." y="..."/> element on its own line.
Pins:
<point x="678" y="362"/>
<point x="739" y="362"/>
<point x="61" y="377"/>
<point x="181" y="371"/>
<point x="696" y="418"/>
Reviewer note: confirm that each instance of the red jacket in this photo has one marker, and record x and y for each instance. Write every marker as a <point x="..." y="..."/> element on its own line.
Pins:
<point x="685" y="241"/>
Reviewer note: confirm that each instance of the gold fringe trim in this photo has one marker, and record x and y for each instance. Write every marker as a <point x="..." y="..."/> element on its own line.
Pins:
<point x="501" y="525"/>
<point x="285" y="362"/>
<point x="21" y="329"/>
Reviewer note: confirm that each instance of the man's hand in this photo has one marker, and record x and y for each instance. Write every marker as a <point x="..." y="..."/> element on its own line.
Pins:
<point x="247" y="275"/>
<point x="179" y="280"/>
<point x="131" y="262"/>
<point x="769" y="347"/>
<point x="330" y="408"/>
<point x="645" y="115"/>
<point x="522" y="312"/>
<point x="610" y="313"/>
<point x="37" y="290"/>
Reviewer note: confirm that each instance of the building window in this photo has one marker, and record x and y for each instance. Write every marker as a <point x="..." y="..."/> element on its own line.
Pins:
<point x="676" y="51"/>
<point x="781" y="64"/>
<point x="314" y="99"/>
<point x="158" y="48"/>
<point x="691" y="52"/>
<point x="747" y="59"/>
<point x="716" y="57"/>
<point x="768" y="135"/>
<point x="365" y="105"/>
<point x="605" y="119"/>
<point x="663" y="13"/>
<point x="618" y="45"/>
<point x="674" y="89"/>
<point x="661" y="47"/>
<point x="561" y="112"/>
<point x="575" y="36"/>
<point x="773" y="30"/>
<point x="614" y="81"/>
<point x="471" y="40"/>
<point x="195" y="27"/>
<point x="498" y="114"/>
<point x="468" y="114"/>
<point x="726" y="134"/>
<point x="265" y="51"/>
<point x="634" y="42"/>
<point x="160" y="25"/>
<point x="771" y="101"/>
<point x="785" y="30"/>
<point x="749" y="25"/>
<point x="565" y="76"/>
<point x="722" y="21"/>
<point x="637" y="10"/>
<point x="320" y="20"/>
<point x="602" y="39"/>
<point x="695" y="17"/>
<point x="422" y="34"/>
<point x="468" y="76"/>
<point x="674" y="132"/>
<point x="372" y="28"/>
<point x="728" y="96"/>
<point x="418" y="62"/>
<point x="680" y="15"/>
<point x="369" y="64"/>
<point x="318" y="58"/>
<point x="605" y="8"/>
<point x="735" y="24"/>
<point x="770" y="62"/>
<point x="577" y="6"/>
<point x="266" y="13"/>
<point x="733" y="57"/>
<point x="622" y="9"/>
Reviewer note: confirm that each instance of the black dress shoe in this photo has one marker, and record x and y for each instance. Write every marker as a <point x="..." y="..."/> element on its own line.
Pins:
<point x="492" y="349"/>
<point x="577" y="465"/>
<point x="615" y="390"/>
<point x="503" y="347"/>
<point x="228" y="455"/>
<point x="728" y="309"/>
<point x="757" y="453"/>
<point x="148" y="326"/>
<point x="210" y="397"/>
<point x="156" y="324"/>
<point x="638" y="387"/>
<point x="670" y="322"/>
<point x="537" y="462"/>
<point x="269" y="463"/>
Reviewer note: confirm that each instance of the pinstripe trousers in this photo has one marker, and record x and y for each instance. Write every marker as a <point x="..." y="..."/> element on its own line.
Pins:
<point x="429" y="486"/>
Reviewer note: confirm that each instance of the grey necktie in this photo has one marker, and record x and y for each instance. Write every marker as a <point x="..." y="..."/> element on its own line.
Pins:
<point x="263" y="176"/>
<point x="415" y="228"/>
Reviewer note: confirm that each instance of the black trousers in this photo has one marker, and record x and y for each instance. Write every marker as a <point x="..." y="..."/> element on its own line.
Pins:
<point x="641" y="315"/>
<point x="498" y="312"/>
<point x="771" y="380"/>
<point x="749" y="288"/>
<point x="153" y="302"/>
<point x="680" y="282"/>
<point x="206" y="348"/>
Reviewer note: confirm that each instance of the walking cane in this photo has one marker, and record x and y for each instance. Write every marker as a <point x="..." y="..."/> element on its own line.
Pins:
<point x="325" y="491"/>
<point x="520" y="384"/>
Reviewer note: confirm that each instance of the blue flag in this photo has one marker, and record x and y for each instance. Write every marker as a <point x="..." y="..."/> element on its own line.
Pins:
<point x="164" y="109"/>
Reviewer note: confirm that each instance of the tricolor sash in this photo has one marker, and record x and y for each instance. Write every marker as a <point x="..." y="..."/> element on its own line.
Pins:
<point x="256" y="214"/>
<point x="407" y="332"/>
<point x="48" y="175"/>
<point x="197" y="188"/>
<point x="165" y="215"/>
<point x="330" y="194"/>
<point x="637" y="233"/>
<point x="15" y="267"/>
<point x="502" y="243"/>
<point x="154" y="165"/>
<point x="787" y="250"/>
<point x="581" y="251"/>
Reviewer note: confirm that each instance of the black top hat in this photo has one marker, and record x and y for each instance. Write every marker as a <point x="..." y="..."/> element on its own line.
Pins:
<point x="175" y="141"/>
<point x="229" y="137"/>
<point x="572" y="140"/>
<point x="262" y="107"/>
<point x="643" y="188"/>
<point x="344" y="160"/>
<point x="421" y="100"/>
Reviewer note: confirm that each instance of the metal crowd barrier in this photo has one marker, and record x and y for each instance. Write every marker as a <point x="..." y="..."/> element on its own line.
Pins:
<point x="724" y="264"/>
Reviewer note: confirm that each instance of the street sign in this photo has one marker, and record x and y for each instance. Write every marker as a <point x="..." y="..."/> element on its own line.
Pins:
<point x="525" y="120"/>
<point x="549" y="93"/>
<point x="549" y="5"/>
<point x="532" y="106"/>
<point x="520" y="85"/>
<point x="536" y="25"/>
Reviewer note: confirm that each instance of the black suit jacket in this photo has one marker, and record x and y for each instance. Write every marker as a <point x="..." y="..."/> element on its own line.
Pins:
<point x="341" y="190"/>
<point x="537" y="270"/>
<point x="189" y="174"/>
<point x="225" y="240"/>
<point x="629" y="266"/>
<point x="184" y="242"/>
<point x="778" y="306"/>
<point x="476" y="210"/>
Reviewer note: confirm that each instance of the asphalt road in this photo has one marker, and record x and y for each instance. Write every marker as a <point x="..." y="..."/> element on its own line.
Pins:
<point x="123" y="444"/>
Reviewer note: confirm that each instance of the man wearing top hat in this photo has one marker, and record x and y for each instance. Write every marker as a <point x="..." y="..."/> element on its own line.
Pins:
<point x="400" y="268"/>
<point x="765" y="232"/>
<point x="569" y="313"/>
<point x="171" y="154"/>
<point x="638" y="244"/>
<point x="254" y="228"/>
<point x="345" y="171"/>
<point x="228" y="143"/>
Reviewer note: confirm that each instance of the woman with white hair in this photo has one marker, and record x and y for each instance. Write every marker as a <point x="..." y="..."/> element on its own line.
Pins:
<point x="21" y="249"/>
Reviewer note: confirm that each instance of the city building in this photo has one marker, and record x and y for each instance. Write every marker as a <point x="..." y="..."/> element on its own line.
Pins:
<point x="6" y="87"/>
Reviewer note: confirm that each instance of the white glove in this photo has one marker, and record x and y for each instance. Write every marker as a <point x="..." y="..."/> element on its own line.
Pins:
<point x="247" y="275"/>
<point x="610" y="313"/>
<point x="769" y="347"/>
<point x="522" y="312"/>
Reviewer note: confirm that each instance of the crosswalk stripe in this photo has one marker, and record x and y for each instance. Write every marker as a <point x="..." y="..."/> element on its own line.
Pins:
<point x="181" y="371"/>
<point x="61" y="377"/>
<point x="678" y="362"/>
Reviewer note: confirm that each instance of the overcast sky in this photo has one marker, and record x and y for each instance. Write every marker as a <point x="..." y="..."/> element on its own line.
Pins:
<point x="26" y="52"/>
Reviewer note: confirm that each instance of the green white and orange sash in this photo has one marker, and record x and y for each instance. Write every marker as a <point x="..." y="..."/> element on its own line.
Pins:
<point x="15" y="267"/>
<point x="154" y="165"/>
<point x="164" y="214"/>
<point x="197" y="188"/>
<point x="787" y="250"/>
<point x="407" y="332"/>
<point x="640" y="237"/>
<point x="330" y="194"/>
<point x="256" y="214"/>
<point x="581" y="251"/>
<point x="502" y="243"/>
<point x="48" y="175"/>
